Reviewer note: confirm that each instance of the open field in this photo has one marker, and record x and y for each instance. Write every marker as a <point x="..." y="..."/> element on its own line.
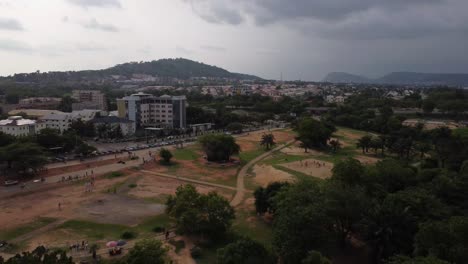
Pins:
<point x="132" y="199"/>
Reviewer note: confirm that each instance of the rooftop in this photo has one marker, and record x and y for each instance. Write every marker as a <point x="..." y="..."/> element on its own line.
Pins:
<point x="16" y="121"/>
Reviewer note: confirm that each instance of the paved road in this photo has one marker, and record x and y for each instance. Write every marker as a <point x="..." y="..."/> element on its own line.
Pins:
<point x="239" y="197"/>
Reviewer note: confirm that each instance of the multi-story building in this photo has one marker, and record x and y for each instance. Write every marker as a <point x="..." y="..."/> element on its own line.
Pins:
<point x="89" y="99"/>
<point x="126" y="126"/>
<point x="18" y="126"/>
<point x="62" y="121"/>
<point x="39" y="103"/>
<point x="147" y="110"/>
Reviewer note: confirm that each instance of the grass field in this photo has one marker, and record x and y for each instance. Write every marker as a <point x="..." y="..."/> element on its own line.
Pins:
<point x="27" y="228"/>
<point x="96" y="231"/>
<point x="188" y="153"/>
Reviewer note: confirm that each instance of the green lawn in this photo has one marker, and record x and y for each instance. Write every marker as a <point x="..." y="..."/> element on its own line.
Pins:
<point x="24" y="229"/>
<point x="247" y="156"/>
<point x="98" y="231"/>
<point x="279" y="157"/>
<point x="94" y="231"/>
<point x="185" y="154"/>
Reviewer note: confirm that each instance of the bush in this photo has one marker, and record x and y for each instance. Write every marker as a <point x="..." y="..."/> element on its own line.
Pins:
<point x="178" y="244"/>
<point x="196" y="252"/>
<point x="128" y="235"/>
<point x="115" y="174"/>
<point x="158" y="229"/>
<point x="132" y="185"/>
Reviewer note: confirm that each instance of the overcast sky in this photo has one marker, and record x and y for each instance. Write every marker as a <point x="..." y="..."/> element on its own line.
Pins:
<point x="303" y="39"/>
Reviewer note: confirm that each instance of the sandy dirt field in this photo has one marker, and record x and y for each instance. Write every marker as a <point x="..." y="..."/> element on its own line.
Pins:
<point x="313" y="167"/>
<point x="266" y="174"/>
<point x="198" y="170"/>
<point x="280" y="136"/>
<point x="366" y="160"/>
<point x="79" y="167"/>
<point x="117" y="209"/>
<point x="296" y="150"/>
<point x="252" y="140"/>
<point x="151" y="186"/>
<point x="21" y="210"/>
<point x="348" y="134"/>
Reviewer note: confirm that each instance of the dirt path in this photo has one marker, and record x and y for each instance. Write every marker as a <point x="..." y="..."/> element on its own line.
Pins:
<point x="239" y="197"/>
<point x="190" y="180"/>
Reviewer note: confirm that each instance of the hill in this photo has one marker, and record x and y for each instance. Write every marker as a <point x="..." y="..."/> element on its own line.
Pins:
<point x="167" y="68"/>
<point x="425" y="78"/>
<point x="402" y="78"/>
<point x="343" y="77"/>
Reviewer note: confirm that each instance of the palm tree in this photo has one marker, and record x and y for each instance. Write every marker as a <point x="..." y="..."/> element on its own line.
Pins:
<point x="268" y="140"/>
<point x="335" y="145"/>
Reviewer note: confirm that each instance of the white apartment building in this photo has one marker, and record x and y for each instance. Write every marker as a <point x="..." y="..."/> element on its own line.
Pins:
<point x="18" y="126"/>
<point x="62" y="121"/>
<point x="147" y="110"/>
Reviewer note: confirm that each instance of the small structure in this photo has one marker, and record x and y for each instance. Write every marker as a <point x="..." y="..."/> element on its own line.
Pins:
<point x="196" y="128"/>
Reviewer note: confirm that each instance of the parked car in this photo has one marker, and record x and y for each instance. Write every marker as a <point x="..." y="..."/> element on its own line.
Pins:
<point x="10" y="182"/>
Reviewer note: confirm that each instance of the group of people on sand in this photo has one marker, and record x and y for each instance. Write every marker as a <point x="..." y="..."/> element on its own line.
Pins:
<point x="89" y="185"/>
<point x="83" y="246"/>
<point x="317" y="164"/>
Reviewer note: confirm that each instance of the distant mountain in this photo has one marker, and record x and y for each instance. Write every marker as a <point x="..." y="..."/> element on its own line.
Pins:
<point x="166" y="68"/>
<point x="343" y="77"/>
<point x="425" y="78"/>
<point x="403" y="78"/>
<point x="176" y="68"/>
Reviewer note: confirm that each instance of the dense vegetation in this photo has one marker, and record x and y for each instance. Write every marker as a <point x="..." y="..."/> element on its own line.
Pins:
<point x="174" y="68"/>
<point x="219" y="147"/>
<point x="28" y="155"/>
<point x="208" y="215"/>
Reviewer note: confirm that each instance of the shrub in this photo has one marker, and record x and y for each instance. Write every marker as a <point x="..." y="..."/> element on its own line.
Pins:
<point x="128" y="235"/>
<point x="196" y="252"/>
<point x="115" y="174"/>
<point x="178" y="244"/>
<point x="132" y="185"/>
<point x="158" y="229"/>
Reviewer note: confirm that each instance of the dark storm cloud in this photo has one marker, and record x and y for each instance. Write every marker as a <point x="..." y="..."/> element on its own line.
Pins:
<point x="95" y="25"/>
<point x="344" y="19"/>
<point x="10" y="24"/>
<point x="96" y="3"/>
<point x="216" y="11"/>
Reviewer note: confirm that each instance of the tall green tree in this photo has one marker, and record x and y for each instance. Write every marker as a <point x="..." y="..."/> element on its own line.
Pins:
<point x="40" y="255"/>
<point x="219" y="147"/>
<point x="313" y="133"/>
<point x="364" y="143"/>
<point x="244" y="250"/>
<point x="165" y="155"/>
<point x="147" y="251"/>
<point x="268" y="140"/>
<point x="300" y="222"/>
<point x="201" y="214"/>
<point x="25" y="157"/>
